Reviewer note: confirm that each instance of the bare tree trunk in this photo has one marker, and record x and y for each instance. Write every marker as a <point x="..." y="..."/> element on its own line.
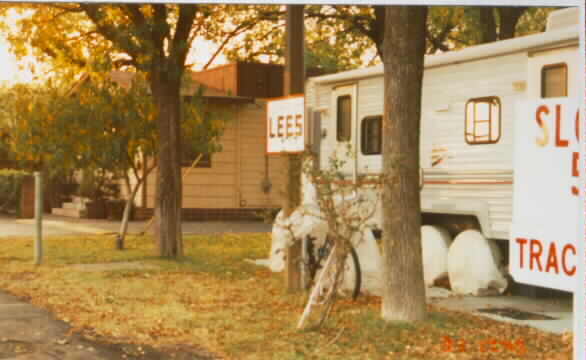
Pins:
<point x="126" y="216"/>
<point x="508" y="18"/>
<point x="487" y="25"/>
<point x="124" y="224"/>
<point x="377" y="28"/>
<point x="169" y="195"/>
<point x="404" y="48"/>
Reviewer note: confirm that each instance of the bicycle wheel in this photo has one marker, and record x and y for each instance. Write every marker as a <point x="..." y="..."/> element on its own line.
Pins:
<point x="357" y="273"/>
<point x="352" y="277"/>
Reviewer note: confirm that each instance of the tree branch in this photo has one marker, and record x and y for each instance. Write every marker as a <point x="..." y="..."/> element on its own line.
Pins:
<point x="161" y="28"/>
<point x="180" y="46"/>
<point x="123" y="40"/>
<point x="241" y="28"/>
<point x="64" y="7"/>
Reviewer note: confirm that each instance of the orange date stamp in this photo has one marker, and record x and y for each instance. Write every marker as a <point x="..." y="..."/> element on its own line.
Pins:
<point x="493" y="345"/>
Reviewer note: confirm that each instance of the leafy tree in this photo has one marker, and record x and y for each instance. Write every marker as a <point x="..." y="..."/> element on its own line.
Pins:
<point x="156" y="39"/>
<point x="151" y="38"/>
<point x="101" y="126"/>
<point x="362" y="27"/>
<point x="325" y="50"/>
<point x="404" y="49"/>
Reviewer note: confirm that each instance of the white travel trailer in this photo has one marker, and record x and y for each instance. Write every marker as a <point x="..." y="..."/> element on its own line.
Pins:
<point x="468" y="107"/>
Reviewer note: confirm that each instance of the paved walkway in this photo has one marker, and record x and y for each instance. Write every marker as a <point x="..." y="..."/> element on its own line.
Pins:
<point x="31" y="333"/>
<point x="59" y="225"/>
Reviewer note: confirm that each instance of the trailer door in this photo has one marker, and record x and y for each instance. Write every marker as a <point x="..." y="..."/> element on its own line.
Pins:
<point x="344" y="126"/>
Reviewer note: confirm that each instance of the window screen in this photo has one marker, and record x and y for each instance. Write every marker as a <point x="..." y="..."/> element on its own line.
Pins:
<point x="344" y="120"/>
<point x="554" y="81"/>
<point x="483" y="120"/>
<point x="371" y="141"/>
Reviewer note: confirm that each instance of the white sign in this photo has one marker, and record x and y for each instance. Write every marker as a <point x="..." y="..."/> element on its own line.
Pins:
<point x="286" y="125"/>
<point x="547" y="194"/>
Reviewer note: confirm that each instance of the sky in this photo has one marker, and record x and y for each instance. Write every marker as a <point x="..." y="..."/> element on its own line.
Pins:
<point x="9" y="65"/>
<point x="13" y="71"/>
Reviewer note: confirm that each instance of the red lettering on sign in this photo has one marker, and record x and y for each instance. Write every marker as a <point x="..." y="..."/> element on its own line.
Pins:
<point x="575" y="159"/>
<point x="534" y="254"/>
<point x="551" y="257"/>
<point x="299" y="125"/>
<point x="552" y="260"/>
<point x="280" y="126"/>
<point x="545" y="139"/>
<point x="521" y="243"/>
<point x="573" y="249"/>
<point x="552" y="263"/>
<point x="575" y="171"/>
<point x="288" y="133"/>
<point x="271" y="128"/>
<point x="559" y="142"/>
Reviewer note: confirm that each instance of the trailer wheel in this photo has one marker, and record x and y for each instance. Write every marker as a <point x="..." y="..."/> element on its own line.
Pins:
<point x="435" y="243"/>
<point x="474" y="265"/>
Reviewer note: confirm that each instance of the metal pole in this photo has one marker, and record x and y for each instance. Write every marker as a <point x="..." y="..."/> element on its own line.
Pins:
<point x="38" y="248"/>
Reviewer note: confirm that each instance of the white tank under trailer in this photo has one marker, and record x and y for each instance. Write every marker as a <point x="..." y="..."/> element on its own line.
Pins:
<point x="466" y="196"/>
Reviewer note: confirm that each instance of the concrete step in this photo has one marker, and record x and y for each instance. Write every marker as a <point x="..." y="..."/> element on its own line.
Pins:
<point x="72" y="205"/>
<point x="79" y="200"/>
<point x="75" y="213"/>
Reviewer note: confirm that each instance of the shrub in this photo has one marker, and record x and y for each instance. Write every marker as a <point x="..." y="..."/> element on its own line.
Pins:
<point x="10" y="190"/>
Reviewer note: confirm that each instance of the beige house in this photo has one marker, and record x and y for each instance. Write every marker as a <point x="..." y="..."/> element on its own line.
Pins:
<point x="241" y="180"/>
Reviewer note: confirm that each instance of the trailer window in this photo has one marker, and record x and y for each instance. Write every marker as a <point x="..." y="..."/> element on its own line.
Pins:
<point x="483" y="120"/>
<point x="371" y="131"/>
<point x="344" y="120"/>
<point x="554" y="81"/>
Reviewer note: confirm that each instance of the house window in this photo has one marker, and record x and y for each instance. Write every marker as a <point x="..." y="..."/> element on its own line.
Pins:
<point x="344" y="120"/>
<point x="483" y="120"/>
<point x="554" y="81"/>
<point x="189" y="157"/>
<point x="371" y="142"/>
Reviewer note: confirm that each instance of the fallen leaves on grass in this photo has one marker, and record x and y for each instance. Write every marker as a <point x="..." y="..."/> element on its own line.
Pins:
<point x="214" y="299"/>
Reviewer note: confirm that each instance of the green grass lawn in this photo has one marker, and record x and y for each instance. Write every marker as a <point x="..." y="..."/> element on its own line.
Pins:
<point x="213" y="298"/>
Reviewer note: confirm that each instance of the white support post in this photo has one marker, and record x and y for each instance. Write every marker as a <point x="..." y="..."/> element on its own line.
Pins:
<point x="38" y="248"/>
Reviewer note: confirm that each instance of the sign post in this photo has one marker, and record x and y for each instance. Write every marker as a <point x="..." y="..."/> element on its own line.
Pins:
<point x="545" y="234"/>
<point x="294" y="84"/>
<point x="38" y="247"/>
<point x="286" y="135"/>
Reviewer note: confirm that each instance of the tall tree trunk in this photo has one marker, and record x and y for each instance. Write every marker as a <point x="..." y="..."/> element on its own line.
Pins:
<point x="404" y="49"/>
<point x="166" y="86"/>
<point x="487" y="24"/>
<point x="377" y="28"/>
<point x="294" y="84"/>
<point x="294" y="81"/>
<point x="508" y="18"/>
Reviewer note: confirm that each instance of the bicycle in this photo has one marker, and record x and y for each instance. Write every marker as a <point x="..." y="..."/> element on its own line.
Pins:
<point x="317" y="255"/>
